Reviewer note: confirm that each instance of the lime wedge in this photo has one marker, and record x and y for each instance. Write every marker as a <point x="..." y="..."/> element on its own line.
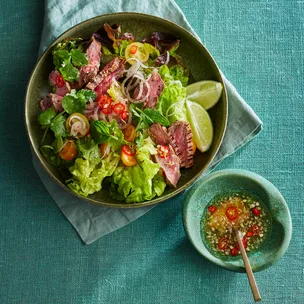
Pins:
<point x="201" y="125"/>
<point x="207" y="93"/>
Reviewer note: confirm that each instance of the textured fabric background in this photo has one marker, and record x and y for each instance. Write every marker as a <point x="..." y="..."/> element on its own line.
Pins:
<point x="259" y="46"/>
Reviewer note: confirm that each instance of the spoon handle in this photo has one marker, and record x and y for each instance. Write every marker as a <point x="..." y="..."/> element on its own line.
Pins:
<point x="251" y="279"/>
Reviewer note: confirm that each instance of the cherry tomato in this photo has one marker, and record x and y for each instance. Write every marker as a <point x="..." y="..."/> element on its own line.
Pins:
<point x="234" y="251"/>
<point x="129" y="133"/>
<point x="256" y="230"/>
<point x="232" y="213"/>
<point x="163" y="151"/>
<point x="69" y="151"/>
<point x="84" y="126"/>
<point x="212" y="208"/>
<point x="103" y="150"/>
<point x="127" y="156"/>
<point x="256" y="211"/>
<point x="59" y="81"/>
<point x="193" y="147"/>
<point x="119" y="108"/>
<point x="223" y="243"/>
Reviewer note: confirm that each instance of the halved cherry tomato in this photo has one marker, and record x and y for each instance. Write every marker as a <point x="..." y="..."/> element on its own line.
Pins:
<point x="59" y="81"/>
<point x="82" y="121"/>
<point x="256" y="230"/>
<point x="69" y="151"/>
<point x="232" y="213"/>
<point x="256" y="211"/>
<point x="119" y="108"/>
<point x="234" y="251"/>
<point x="223" y="243"/>
<point x="103" y="150"/>
<point x="129" y="133"/>
<point x="127" y="157"/>
<point x="133" y="49"/>
<point x="163" y="151"/>
<point x="124" y="115"/>
<point x="212" y="208"/>
<point x="193" y="147"/>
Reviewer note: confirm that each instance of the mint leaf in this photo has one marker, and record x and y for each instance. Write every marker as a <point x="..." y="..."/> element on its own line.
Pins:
<point x="58" y="126"/>
<point x="45" y="118"/>
<point x="69" y="72"/>
<point x="79" y="58"/>
<point x="156" y="117"/>
<point x="100" y="131"/>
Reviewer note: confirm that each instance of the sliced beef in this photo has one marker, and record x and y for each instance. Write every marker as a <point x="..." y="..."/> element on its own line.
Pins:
<point x="88" y="72"/>
<point x="159" y="134"/>
<point x="170" y="166"/>
<point x="61" y="86"/>
<point x="180" y="134"/>
<point x="102" y="81"/>
<point x="156" y="87"/>
<point x="51" y="101"/>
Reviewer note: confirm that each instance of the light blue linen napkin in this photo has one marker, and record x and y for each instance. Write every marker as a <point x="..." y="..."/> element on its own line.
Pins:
<point x="92" y="221"/>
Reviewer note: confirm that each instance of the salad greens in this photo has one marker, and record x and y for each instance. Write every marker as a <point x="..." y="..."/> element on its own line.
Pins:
<point x="108" y="93"/>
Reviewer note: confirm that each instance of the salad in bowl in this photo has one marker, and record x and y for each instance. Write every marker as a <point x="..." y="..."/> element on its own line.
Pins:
<point x="122" y="115"/>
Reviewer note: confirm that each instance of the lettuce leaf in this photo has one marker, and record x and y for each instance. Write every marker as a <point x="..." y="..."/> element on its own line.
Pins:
<point x="141" y="182"/>
<point x="88" y="174"/>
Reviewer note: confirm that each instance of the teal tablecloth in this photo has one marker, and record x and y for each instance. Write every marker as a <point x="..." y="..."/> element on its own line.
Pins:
<point x="259" y="45"/>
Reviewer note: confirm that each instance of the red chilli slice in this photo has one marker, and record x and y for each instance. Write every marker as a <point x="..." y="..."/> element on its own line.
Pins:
<point x="232" y="213"/>
<point x="119" y="108"/>
<point x="234" y="251"/>
<point x="223" y="243"/>
<point x="163" y="151"/>
<point x="59" y="81"/>
<point x="127" y="150"/>
<point x="124" y="115"/>
<point x="133" y="49"/>
<point x="211" y="208"/>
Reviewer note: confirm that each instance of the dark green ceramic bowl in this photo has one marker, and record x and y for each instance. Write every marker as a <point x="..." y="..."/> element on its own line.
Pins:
<point x="202" y="67"/>
<point x="226" y="181"/>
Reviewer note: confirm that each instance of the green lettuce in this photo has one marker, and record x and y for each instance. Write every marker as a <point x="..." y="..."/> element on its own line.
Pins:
<point x="140" y="182"/>
<point x="88" y="174"/>
<point x="171" y="102"/>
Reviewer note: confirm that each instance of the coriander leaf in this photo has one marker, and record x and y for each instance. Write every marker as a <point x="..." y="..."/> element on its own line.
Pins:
<point x="58" y="126"/>
<point x="57" y="144"/>
<point x="60" y="58"/>
<point x="50" y="155"/>
<point x="86" y="95"/>
<point x="69" y="72"/>
<point x="46" y="117"/>
<point x="155" y="116"/>
<point x="72" y="104"/>
<point x="79" y="58"/>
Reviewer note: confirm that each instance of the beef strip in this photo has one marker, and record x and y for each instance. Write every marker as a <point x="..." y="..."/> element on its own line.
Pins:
<point x="51" y="101"/>
<point x="102" y="81"/>
<point x="88" y="72"/>
<point x="156" y="87"/>
<point x="180" y="134"/>
<point x="170" y="164"/>
<point x="62" y="91"/>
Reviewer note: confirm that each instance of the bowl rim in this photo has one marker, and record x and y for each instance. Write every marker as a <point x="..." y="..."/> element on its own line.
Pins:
<point x="262" y="181"/>
<point x="155" y="200"/>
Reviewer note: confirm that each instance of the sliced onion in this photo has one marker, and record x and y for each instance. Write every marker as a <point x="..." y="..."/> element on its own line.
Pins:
<point x="168" y="58"/>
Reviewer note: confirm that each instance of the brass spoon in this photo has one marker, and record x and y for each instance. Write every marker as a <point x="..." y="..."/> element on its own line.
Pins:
<point x="251" y="279"/>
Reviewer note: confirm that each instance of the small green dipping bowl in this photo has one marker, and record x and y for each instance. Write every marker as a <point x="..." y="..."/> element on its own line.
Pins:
<point x="228" y="181"/>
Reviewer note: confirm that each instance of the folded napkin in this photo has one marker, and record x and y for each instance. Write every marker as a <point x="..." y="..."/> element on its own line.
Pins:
<point x="92" y="221"/>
